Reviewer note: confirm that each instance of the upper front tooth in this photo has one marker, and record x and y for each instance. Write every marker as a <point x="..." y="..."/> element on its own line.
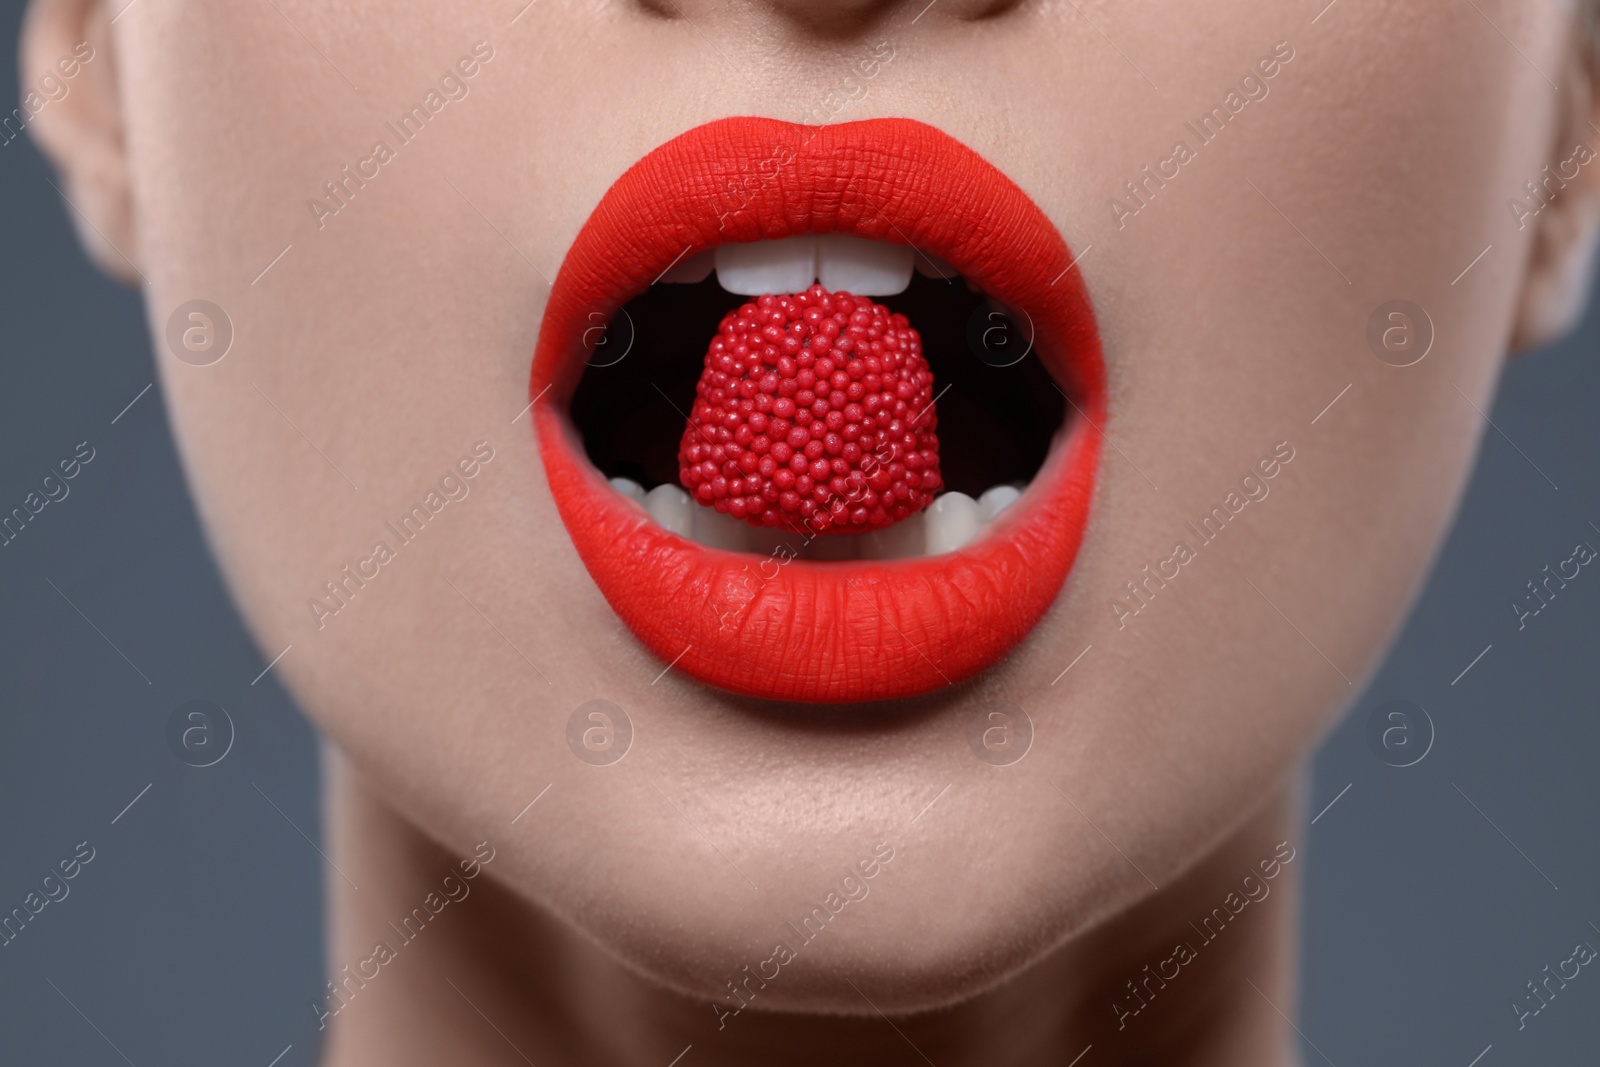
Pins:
<point x="839" y="262"/>
<point x="862" y="267"/>
<point x="952" y="521"/>
<point x="671" y="508"/>
<point x="786" y="266"/>
<point x="691" y="270"/>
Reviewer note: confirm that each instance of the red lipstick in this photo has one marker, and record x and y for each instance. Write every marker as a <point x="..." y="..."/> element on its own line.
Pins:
<point x="779" y="627"/>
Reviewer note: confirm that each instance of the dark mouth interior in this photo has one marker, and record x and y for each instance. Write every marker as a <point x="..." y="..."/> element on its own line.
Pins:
<point x="995" y="422"/>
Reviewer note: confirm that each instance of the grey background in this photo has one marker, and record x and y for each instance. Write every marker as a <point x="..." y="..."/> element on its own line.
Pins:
<point x="193" y="937"/>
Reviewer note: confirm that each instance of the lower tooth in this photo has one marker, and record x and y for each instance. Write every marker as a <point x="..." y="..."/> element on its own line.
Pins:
<point x="671" y="508"/>
<point x="836" y="547"/>
<point x="675" y="511"/>
<point x="904" y="540"/>
<point x="952" y="522"/>
<point x="776" y="541"/>
<point x="715" y="530"/>
<point x="996" y="500"/>
<point x="628" y="488"/>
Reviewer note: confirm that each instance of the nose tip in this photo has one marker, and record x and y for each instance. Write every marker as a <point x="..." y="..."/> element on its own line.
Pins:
<point x="838" y="18"/>
<point x="838" y="15"/>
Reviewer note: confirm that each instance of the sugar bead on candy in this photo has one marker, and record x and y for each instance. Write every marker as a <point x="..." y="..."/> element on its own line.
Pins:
<point x="814" y="412"/>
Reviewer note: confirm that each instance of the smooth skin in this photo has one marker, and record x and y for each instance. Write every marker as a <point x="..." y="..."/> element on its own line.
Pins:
<point x="1168" y="761"/>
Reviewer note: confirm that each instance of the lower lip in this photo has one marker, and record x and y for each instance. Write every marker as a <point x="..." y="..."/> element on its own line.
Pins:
<point x="789" y="629"/>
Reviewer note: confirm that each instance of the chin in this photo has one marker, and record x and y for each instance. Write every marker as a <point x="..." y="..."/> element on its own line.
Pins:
<point x="912" y="919"/>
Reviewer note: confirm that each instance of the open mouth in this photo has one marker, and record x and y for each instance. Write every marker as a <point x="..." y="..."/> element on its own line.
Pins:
<point x="914" y="515"/>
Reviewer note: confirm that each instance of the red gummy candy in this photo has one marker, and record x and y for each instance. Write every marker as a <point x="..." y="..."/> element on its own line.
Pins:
<point x="814" y="411"/>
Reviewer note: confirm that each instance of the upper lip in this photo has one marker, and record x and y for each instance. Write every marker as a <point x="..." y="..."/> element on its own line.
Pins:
<point x="794" y="629"/>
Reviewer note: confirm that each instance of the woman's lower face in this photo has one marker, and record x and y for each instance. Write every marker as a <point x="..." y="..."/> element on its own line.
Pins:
<point x="1213" y="542"/>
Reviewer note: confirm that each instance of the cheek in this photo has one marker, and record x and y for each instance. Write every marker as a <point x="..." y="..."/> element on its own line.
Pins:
<point x="1331" y="197"/>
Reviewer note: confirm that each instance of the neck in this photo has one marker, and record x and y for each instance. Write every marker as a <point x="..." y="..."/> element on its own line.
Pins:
<point x="1193" y="976"/>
